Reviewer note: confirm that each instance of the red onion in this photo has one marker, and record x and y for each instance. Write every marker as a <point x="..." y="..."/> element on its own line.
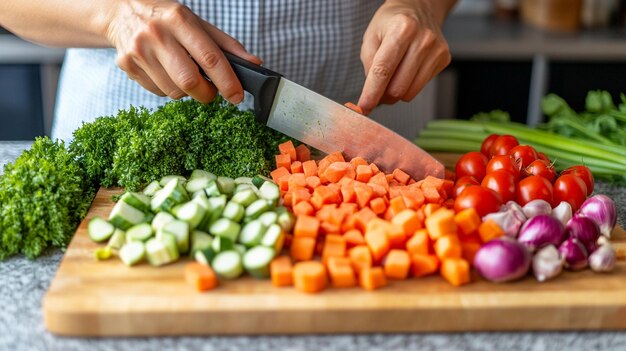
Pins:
<point x="547" y="263"/>
<point x="537" y="207"/>
<point x="601" y="209"/>
<point x="502" y="260"/>
<point x="585" y="230"/>
<point x="507" y="221"/>
<point x="603" y="259"/>
<point x="574" y="253"/>
<point x="517" y="210"/>
<point x="541" y="230"/>
<point x="563" y="212"/>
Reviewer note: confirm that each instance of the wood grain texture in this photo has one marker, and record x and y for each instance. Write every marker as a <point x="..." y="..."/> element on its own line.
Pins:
<point x="90" y="298"/>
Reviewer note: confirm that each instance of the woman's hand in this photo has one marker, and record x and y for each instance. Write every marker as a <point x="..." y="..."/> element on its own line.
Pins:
<point x="403" y="49"/>
<point x="157" y="42"/>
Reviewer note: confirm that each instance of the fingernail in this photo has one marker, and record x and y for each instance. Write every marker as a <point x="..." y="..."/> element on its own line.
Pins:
<point x="237" y="98"/>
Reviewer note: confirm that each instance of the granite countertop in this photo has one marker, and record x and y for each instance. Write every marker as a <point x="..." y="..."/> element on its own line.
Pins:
<point x="23" y="284"/>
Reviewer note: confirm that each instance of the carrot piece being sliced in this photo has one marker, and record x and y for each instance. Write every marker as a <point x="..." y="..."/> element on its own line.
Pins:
<point x="397" y="264"/>
<point x="200" y="276"/>
<point x="441" y="223"/>
<point x="287" y="148"/>
<point x="278" y="173"/>
<point x="423" y="264"/>
<point x="448" y="246"/>
<point x="419" y="243"/>
<point x="296" y="167"/>
<point x="360" y="257"/>
<point x="372" y="278"/>
<point x="306" y="226"/>
<point x="309" y="276"/>
<point x="303" y="153"/>
<point x="456" y="271"/>
<point x="341" y="272"/>
<point x="489" y="230"/>
<point x="401" y="176"/>
<point x="353" y="238"/>
<point x="302" y="248"/>
<point x="281" y="271"/>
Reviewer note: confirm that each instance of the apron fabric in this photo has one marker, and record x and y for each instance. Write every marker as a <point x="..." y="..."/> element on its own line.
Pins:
<point x="315" y="43"/>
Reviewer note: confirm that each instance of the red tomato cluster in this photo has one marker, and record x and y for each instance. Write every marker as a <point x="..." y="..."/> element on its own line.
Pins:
<point x="504" y="170"/>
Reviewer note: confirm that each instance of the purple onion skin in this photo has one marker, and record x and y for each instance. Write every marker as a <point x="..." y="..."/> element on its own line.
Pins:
<point x="585" y="230"/>
<point x="601" y="209"/>
<point x="502" y="260"/>
<point x="540" y="231"/>
<point x="574" y="253"/>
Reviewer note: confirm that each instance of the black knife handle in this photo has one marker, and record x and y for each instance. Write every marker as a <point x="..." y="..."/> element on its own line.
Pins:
<point x="259" y="81"/>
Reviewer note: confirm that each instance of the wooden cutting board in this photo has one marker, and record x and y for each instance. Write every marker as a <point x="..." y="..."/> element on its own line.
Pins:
<point x="90" y="298"/>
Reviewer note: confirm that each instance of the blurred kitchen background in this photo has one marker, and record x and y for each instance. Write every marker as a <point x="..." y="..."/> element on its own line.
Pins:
<point x="506" y="54"/>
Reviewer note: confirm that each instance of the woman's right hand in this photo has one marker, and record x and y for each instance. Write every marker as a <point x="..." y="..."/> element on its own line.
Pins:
<point x="157" y="42"/>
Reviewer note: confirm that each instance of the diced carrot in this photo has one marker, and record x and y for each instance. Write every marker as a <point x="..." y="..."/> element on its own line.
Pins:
<point x="364" y="173"/>
<point x="378" y="206"/>
<point x="303" y="153"/>
<point x="467" y="220"/>
<point x="430" y="209"/>
<point x="449" y="203"/>
<point x="378" y="189"/>
<point x="419" y="243"/>
<point x="353" y="107"/>
<point x="349" y="208"/>
<point x="489" y="230"/>
<point x="431" y="194"/>
<point x="326" y="161"/>
<point x="362" y="217"/>
<point x="309" y="276"/>
<point x="336" y="217"/>
<point x="378" y="242"/>
<point x="441" y="223"/>
<point x="471" y="238"/>
<point x="408" y="221"/>
<point x="319" y="246"/>
<point x="397" y="205"/>
<point x="363" y="195"/>
<point x="303" y="208"/>
<point x="372" y="278"/>
<point x="401" y="176"/>
<point x="348" y="194"/>
<point x="317" y="201"/>
<point x="389" y="178"/>
<point x="435" y="182"/>
<point x="309" y="168"/>
<point x="334" y="246"/>
<point x="283" y="161"/>
<point x="287" y="198"/>
<point x="288" y="240"/>
<point x="278" y="173"/>
<point x="328" y="194"/>
<point x="374" y="168"/>
<point x="336" y="170"/>
<point x="380" y="179"/>
<point x="456" y="271"/>
<point x="411" y="181"/>
<point x="358" y="161"/>
<point x="447" y="186"/>
<point x="397" y="264"/>
<point x="448" y="246"/>
<point x="281" y="271"/>
<point x="395" y="191"/>
<point x="283" y="182"/>
<point x="287" y="148"/>
<point x="300" y="195"/>
<point x="360" y="257"/>
<point x="302" y="248"/>
<point x="296" y="167"/>
<point x="423" y="264"/>
<point x="413" y="198"/>
<point x="312" y="182"/>
<point x="349" y="223"/>
<point x="377" y="224"/>
<point x="353" y="238"/>
<point x="324" y="213"/>
<point x="397" y="238"/>
<point x="329" y="228"/>
<point x="341" y="272"/>
<point x="200" y="276"/>
<point x="296" y="181"/>
<point x="469" y="250"/>
<point x="306" y="226"/>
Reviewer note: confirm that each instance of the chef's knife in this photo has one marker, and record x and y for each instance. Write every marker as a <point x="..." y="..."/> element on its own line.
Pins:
<point x="328" y="126"/>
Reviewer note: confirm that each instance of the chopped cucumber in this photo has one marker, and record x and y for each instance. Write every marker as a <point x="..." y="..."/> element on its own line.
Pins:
<point x="170" y="244"/>
<point x="199" y="173"/>
<point x="161" y="219"/>
<point x="152" y="188"/>
<point x="197" y="184"/>
<point x="132" y="253"/>
<point x="240" y="248"/>
<point x="157" y="252"/>
<point x="233" y="211"/>
<point x="221" y="243"/>
<point x="139" y="232"/>
<point x="226" y="185"/>
<point x="103" y="253"/>
<point x="270" y="191"/>
<point x="252" y="233"/>
<point x="268" y="218"/>
<point x="212" y="189"/>
<point x="124" y="216"/>
<point x="171" y="195"/>
<point x="205" y="256"/>
<point x="226" y="228"/>
<point x="190" y="212"/>
<point x="274" y="237"/>
<point x="118" y="239"/>
<point x="137" y="200"/>
<point x="257" y="261"/>
<point x="180" y="231"/>
<point x="100" y="230"/>
<point x="286" y="220"/>
<point x="198" y="193"/>
<point x="200" y="241"/>
<point x="243" y="180"/>
<point x="242" y="187"/>
<point x="245" y="197"/>
<point x="202" y="200"/>
<point x="163" y="182"/>
<point x="228" y="264"/>
<point x="258" y="180"/>
<point x="257" y="208"/>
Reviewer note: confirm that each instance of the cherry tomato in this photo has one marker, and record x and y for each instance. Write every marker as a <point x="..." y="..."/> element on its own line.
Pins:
<point x="503" y="145"/>
<point x="542" y="156"/>
<point x="505" y="162"/>
<point x="484" y="200"/>
<point x="570" y="188"/>
<point x="471" y="164"/>
<point x="463" y="183"/>
<point x="502" y="182"/>
<point x="525" y="153"/>
<point x="541" y="168"/>
<point x="533" y="188"/>
<point x="486" y="145"/>
<point x="584" y="173"/>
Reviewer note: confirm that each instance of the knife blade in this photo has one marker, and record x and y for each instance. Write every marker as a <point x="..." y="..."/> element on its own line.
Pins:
<point x="327" y="125"/>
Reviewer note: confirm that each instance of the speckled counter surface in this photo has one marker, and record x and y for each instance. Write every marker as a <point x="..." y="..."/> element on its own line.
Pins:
<point x="23" y="284"/>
